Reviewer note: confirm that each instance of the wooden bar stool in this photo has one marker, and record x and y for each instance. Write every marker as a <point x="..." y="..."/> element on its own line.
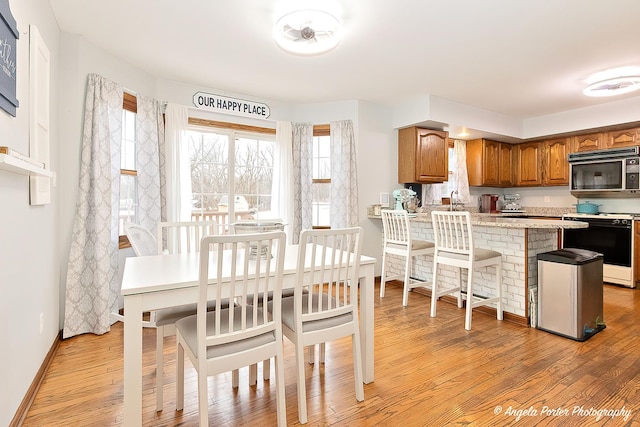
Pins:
<point x="398" y="241"/>
<point x="454" y="246"/>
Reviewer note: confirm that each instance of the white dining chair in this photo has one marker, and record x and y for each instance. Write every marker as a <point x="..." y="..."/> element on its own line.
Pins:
<point x="229" y="338"/>
<point x="397" y="240"/>
<point x="171" y="238"/>
<point x="325" y="302"/>
<point x="454" y="247"/>
<point x="184" y="236"/>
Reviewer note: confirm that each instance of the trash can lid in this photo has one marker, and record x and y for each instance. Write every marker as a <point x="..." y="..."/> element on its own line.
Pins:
<point x="571" y="256"/>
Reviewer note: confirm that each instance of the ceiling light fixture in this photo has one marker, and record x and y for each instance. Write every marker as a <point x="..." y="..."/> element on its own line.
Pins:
<point x="613" y="86"/>
<point x="307" y="32"/>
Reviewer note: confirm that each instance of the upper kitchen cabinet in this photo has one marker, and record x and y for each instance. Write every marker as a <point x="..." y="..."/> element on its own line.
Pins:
<point x="588" y="142"/>
<point x="556" y="166"/>
<point x="423" y="156"/>
<point x="489" y="163"/>
<point x="529" y="164"/>
<point x="543" y="163"/>
<point x="604" y="140"/>
<point x="622" y="138"/>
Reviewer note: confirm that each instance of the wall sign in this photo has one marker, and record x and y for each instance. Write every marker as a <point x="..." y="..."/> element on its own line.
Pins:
<point x="8" y="41"/>
<point x="233" y="106"/>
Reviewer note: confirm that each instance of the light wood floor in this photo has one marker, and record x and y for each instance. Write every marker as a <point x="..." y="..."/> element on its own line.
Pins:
<point x="428" y="372"/>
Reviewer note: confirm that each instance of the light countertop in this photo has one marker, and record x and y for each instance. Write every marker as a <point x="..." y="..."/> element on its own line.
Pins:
<point x="491" y="220"/>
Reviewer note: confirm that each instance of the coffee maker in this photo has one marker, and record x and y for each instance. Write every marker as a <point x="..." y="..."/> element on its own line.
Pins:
<point x="489" y="203"/>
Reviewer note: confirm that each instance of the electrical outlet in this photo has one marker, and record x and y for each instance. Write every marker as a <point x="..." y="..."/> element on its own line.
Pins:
<point x="546" y="199"/>
<point x="41" y="322"/>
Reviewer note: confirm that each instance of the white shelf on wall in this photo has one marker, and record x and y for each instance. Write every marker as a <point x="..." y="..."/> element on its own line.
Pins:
<point x="15" y="165"/>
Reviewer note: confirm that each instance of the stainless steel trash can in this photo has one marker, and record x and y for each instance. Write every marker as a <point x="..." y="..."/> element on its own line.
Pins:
<point x="570" y="293"/>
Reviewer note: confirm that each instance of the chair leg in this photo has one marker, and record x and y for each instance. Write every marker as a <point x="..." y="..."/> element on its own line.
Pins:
<point x="300" y="380"/>
<point x="467" y="319"/>
<point x="407" y="277"/>
<point x="281" y="404"/>
<point x="159" y="367"/>
<point x="357" y="365"/>
<point x="383" y="276"/>
<point x="179" y="377"/>
<point x="253" y="374"/>
<point x="459" y="280"/>
<point x="311" y="349"/>
<point x="266" y="369"/>
<point x="235" y="378"/>
<point x="203" y="398"/>
<point x="499" y="283"/>
<point x="434" y="288"/>
<point x="321" y="351"/>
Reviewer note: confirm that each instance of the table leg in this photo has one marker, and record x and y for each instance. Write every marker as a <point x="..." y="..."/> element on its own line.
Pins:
<point x="133" y="360"/>
<point x="366" y="321"/>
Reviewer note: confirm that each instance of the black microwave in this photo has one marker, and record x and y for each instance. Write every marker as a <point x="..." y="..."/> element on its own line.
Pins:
<point x="605" y="173"/>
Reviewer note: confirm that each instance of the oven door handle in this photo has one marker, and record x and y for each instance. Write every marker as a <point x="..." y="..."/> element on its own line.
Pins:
<point x="618" y="226"/>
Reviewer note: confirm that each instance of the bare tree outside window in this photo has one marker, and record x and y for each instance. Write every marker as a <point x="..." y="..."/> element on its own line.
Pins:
<point x="240" y="184"/>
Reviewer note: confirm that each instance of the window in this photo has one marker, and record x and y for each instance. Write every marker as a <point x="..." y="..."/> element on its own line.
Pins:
<point x="321" y="183"/>
<point x="231" y="173"/>
<point x="128" y="174"/>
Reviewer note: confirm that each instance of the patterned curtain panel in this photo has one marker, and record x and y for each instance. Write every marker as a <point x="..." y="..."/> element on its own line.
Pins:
<point x="302" y="178"/>
<point x="344" y="176"/>
<point x="150" y="163"/>
<point x="93" y="284"/>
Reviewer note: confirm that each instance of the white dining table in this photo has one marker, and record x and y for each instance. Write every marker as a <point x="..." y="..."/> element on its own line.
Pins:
<point x="160" y="281"/>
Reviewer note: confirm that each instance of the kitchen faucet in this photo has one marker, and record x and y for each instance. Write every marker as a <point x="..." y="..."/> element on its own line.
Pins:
<point x="451" y="203"/>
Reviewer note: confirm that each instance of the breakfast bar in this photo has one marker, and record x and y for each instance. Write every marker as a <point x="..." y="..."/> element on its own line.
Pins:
<point x="519" y="240"/>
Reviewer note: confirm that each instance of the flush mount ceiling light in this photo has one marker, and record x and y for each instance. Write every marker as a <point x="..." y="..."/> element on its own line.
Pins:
<point x="307" y="32"/>
<point x="613" y="86"/>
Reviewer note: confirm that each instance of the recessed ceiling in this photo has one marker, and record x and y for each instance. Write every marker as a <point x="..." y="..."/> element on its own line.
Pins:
<point x="524" y="58"/>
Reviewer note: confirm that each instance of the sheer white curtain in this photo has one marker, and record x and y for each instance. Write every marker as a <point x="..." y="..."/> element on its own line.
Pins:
<point x="458" y="179"/>
<point x="282" y="187"/>
<point x="178" y="167"/>
<point x="344" y="180"/>
<point x="93" y="283"/>
<point x="460" y="175"/>
<point x="150" y="162"/>
<point x="302" y="178"/>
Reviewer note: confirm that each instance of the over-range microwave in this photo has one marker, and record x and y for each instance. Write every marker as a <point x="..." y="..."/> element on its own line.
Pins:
<point x="605" y="173"/>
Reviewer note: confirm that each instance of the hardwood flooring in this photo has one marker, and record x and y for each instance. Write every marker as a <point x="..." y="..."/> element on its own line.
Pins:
<point x="428" y="372"/>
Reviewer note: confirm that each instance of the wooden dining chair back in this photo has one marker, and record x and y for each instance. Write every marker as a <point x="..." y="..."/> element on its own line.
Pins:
<point x="397" y="241"/>
<point x="230" y="338"/>
<point x="184" y="236"/>
<point x="325" y="302"/>
<point x="454" y="246"/>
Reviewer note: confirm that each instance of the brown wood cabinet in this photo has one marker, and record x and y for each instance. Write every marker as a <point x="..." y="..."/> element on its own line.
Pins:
<point x="423" y="156"/>
<point x="489" y="163"/>
<point x="506" y="168"/>
<point x="556" y="166"/>
<point x="622" y="138"/>
<point x="604" y="140"/>
<point x="588" y="142"/>
<point x="542" y="163"/>
<point x="529" y="164"/>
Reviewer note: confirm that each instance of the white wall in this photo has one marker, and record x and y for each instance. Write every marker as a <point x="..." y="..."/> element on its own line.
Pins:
<point x="28" y="234"/>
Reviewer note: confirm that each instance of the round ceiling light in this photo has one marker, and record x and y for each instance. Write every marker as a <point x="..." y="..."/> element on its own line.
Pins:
<point x="613" y="86"/>
<point x="307" y="32"/>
